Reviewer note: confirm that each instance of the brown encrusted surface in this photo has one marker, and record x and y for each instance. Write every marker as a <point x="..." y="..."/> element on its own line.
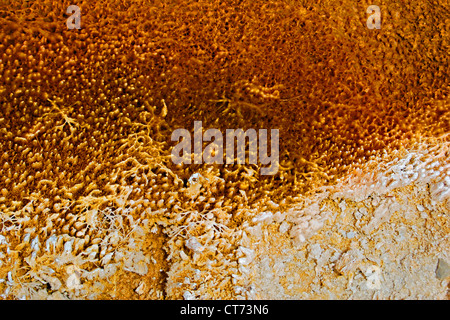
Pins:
<point x="86" y="117"/>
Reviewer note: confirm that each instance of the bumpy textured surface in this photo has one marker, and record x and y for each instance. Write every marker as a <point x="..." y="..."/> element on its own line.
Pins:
<point x="92" y="206"/>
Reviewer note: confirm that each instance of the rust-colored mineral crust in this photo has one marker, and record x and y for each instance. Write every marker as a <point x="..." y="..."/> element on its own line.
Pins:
<point x="92" y="207"/>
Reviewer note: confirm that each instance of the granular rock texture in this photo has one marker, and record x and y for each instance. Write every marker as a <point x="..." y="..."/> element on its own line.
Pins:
<point x="376" y="243"/>
<point x="92" y="207"/>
